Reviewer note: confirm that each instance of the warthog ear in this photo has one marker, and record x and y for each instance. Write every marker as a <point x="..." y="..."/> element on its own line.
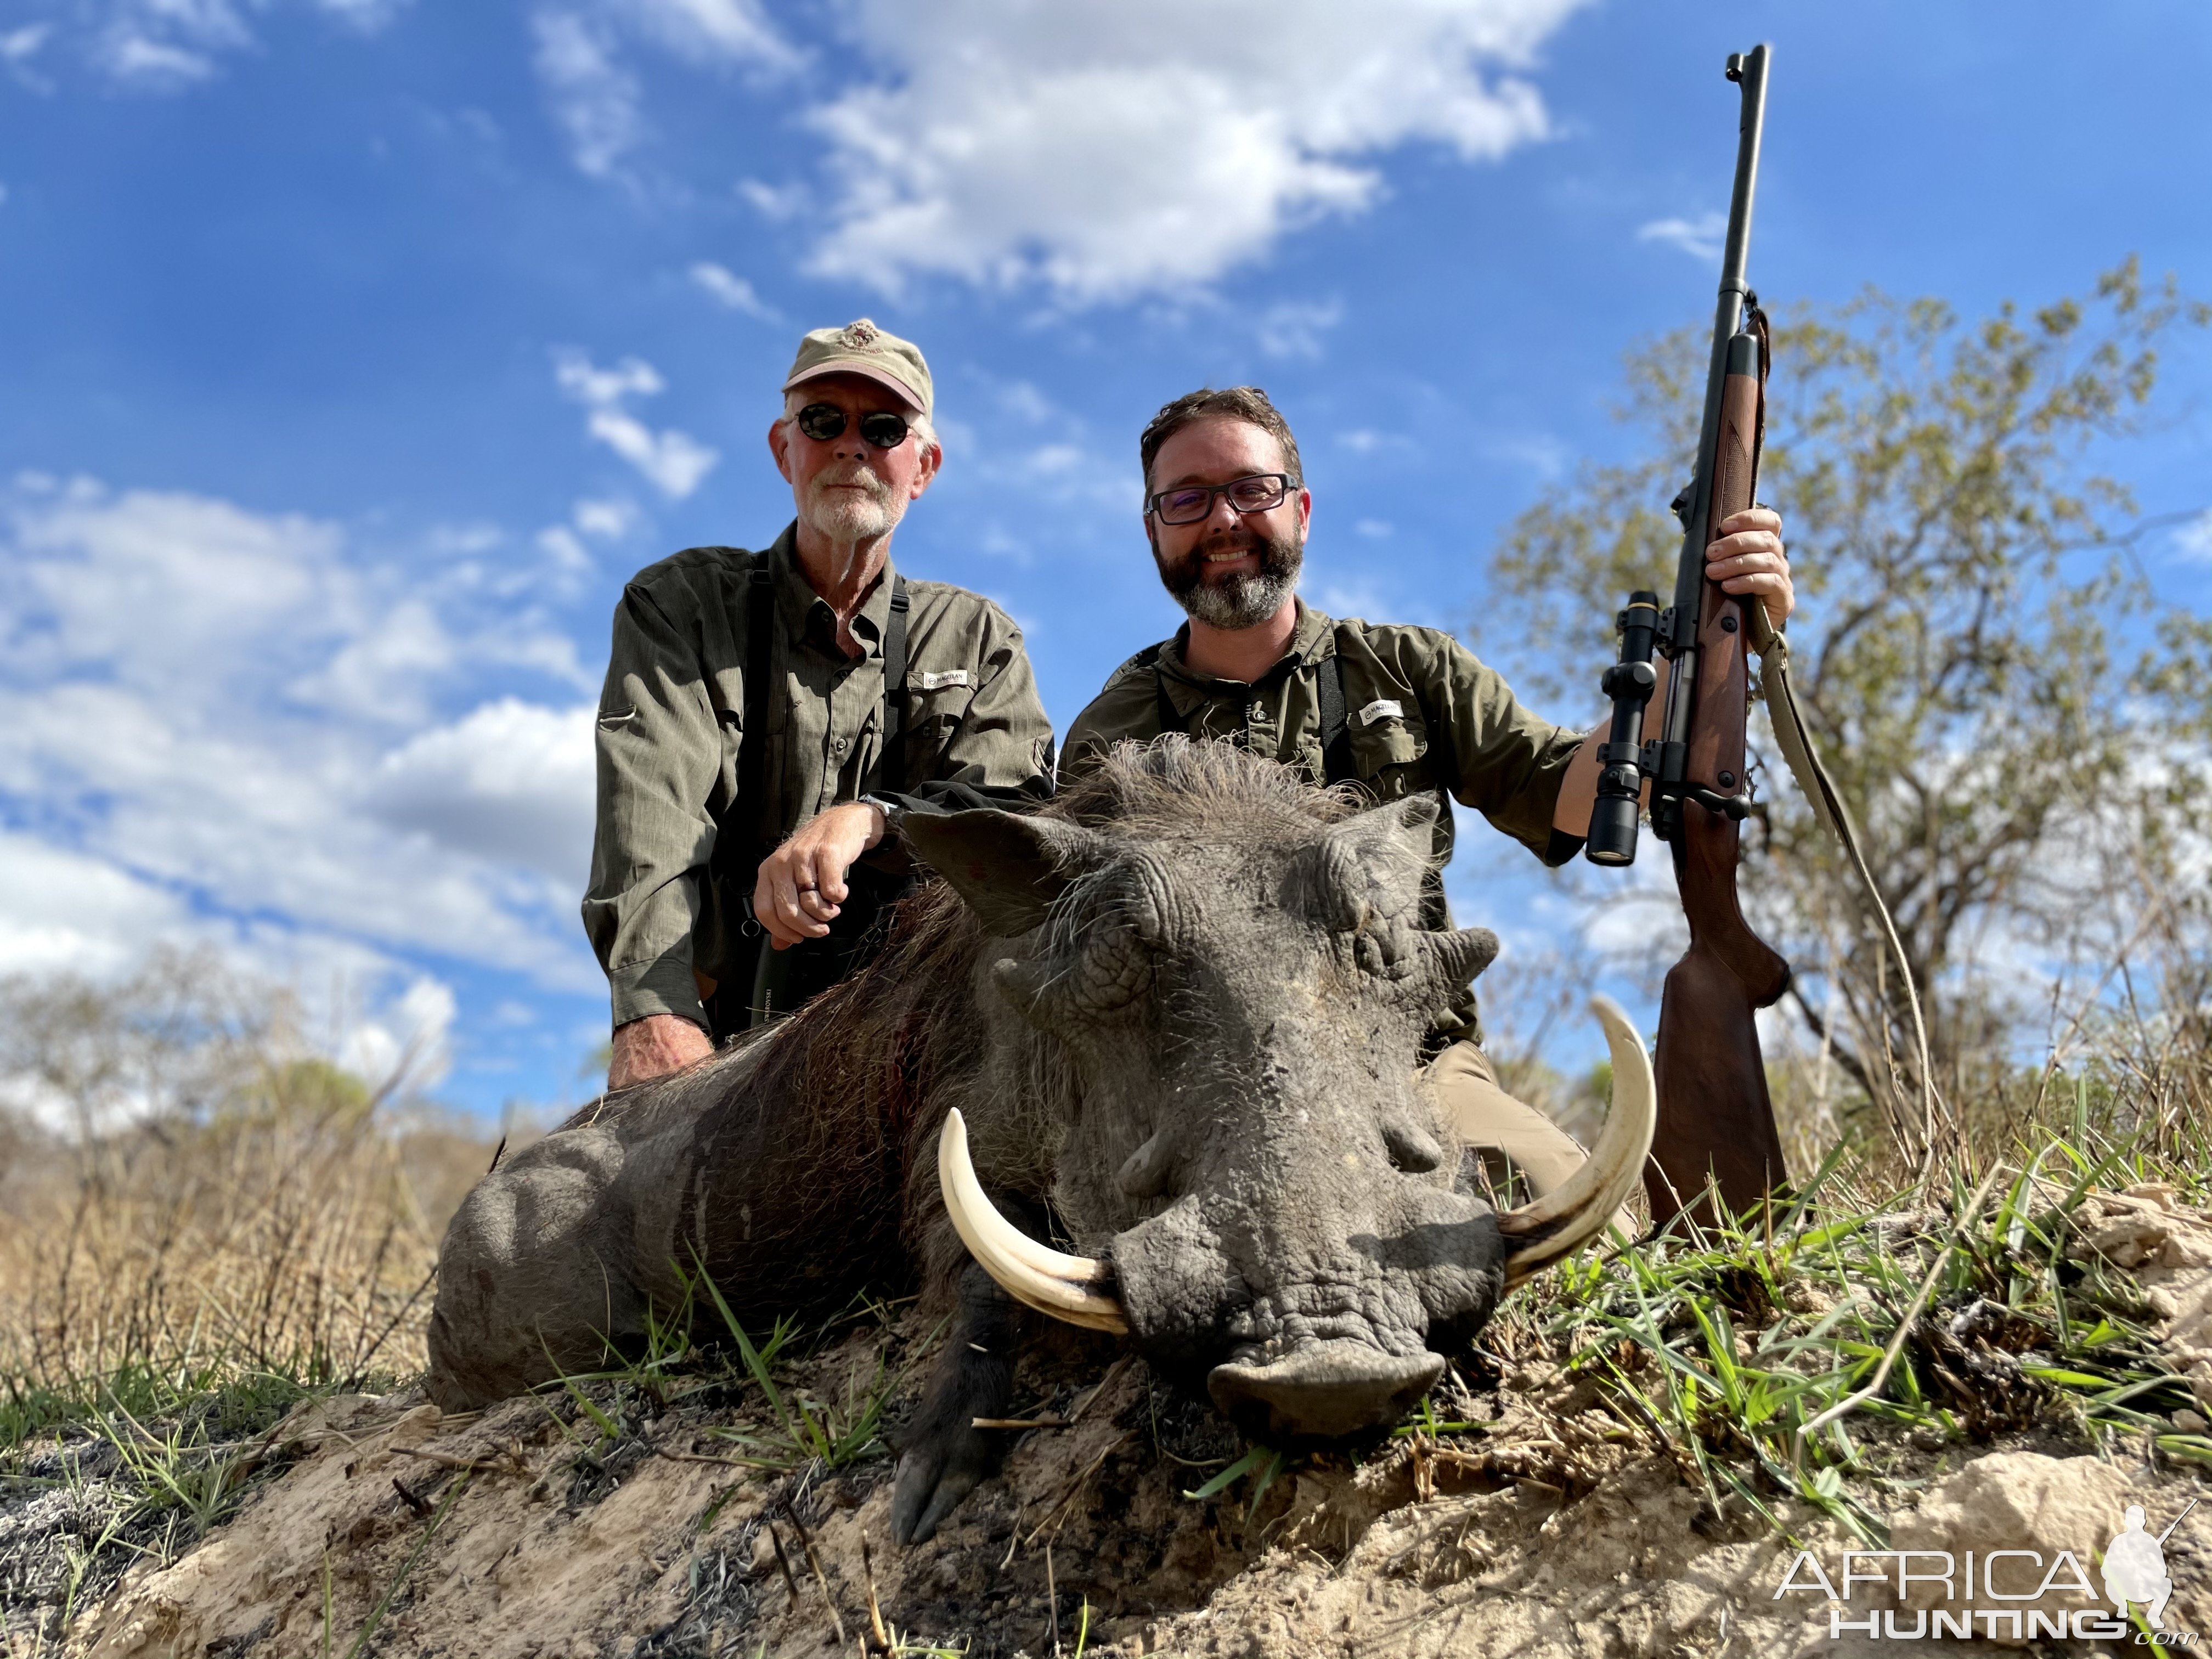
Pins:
<point x="1008" y="866"/>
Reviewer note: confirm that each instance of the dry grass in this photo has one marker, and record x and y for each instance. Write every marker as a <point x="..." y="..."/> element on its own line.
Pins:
<point x="214" y="1202"/>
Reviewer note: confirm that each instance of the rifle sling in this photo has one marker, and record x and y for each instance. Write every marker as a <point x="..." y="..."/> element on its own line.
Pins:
<point x="1795" y="742"/>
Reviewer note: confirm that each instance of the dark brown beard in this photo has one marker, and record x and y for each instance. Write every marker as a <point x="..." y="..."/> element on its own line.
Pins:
<point x="1239" y="601"/>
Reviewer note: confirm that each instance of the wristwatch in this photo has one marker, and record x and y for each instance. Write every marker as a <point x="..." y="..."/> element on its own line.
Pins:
<point x="894" y="813"/>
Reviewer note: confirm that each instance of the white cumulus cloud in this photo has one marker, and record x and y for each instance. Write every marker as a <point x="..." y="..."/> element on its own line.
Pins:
<point x="674" y="461"/>
<point x="1107" y="151"/>
<point x="715" y="31"/>
<point x="405" y="1040"/>
<point x="1293" y="328"/>
<point x="63" y="911"/>
<point x="733" y="291"/>
<point x="594" y="93"/>
<point x="163" y="46"/>
<point x="2193" y="540"/>
<point x="594" y="97"/>
<point x="510" y="781"/>
<point x="1700" y="238"/>
<point x="1099" y="152"/>
<point x="224" y="726"/>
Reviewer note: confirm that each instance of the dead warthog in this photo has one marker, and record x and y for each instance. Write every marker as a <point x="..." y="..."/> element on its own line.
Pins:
<point x="1179" y="1014"/>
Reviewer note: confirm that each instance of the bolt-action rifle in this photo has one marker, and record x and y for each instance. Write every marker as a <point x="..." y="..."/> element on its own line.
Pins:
<point x="1716" y="1121"/>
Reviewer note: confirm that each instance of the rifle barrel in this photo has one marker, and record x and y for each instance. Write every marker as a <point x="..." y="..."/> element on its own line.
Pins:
<point x="1748" y="71"/>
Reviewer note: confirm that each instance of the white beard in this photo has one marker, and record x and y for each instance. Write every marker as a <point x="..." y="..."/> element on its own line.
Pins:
<point x="845" y="515"/>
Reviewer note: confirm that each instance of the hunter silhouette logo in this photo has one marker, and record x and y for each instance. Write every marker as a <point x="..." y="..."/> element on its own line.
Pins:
<point x="2134" y="1565"/>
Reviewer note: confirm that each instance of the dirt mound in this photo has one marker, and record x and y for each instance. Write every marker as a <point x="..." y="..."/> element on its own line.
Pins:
<point x="1547" y="1516"/>
<point x="1552" y="1530"/>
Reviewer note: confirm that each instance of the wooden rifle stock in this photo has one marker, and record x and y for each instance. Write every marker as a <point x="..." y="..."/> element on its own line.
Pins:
<point x="1715" y="1119"/>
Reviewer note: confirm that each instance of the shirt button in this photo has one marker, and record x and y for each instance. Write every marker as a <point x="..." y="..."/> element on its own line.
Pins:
<point x="836" y="746"/>
<point x="1258" y="712"/>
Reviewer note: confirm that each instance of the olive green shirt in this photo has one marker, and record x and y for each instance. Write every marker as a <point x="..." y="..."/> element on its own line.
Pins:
<point x="672" y="719"/>
<point x="1421" y="713"/>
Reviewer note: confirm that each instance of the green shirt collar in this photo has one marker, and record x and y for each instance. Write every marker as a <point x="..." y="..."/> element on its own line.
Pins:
<point x="1314" y="639"/>
<point x="807" y="616"/>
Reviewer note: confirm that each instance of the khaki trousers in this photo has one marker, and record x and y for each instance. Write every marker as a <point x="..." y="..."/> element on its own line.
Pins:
<point x="1466" y="1090"/>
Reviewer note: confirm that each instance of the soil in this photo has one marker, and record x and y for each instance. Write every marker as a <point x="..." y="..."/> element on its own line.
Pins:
<point x="1548" y="1526"/>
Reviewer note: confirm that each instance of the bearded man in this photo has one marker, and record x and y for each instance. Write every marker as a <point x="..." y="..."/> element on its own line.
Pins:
<point x="1393" y="709"/>
<point x="769" y="716"/>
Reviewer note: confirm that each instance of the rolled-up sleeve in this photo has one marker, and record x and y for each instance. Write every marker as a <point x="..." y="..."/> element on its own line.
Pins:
<point x="659" y="748"/>
<point x="1508" y="762"/>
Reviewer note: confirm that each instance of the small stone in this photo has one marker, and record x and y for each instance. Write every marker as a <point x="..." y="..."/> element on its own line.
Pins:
<point x="2189" y="1422"/>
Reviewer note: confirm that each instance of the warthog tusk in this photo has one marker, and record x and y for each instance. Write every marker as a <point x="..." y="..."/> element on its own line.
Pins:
<point x="1578" y="1210"/>
<point x="1068" y="1287"/>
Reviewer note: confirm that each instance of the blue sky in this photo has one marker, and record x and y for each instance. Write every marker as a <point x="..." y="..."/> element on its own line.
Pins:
<point x="357" y="351"/>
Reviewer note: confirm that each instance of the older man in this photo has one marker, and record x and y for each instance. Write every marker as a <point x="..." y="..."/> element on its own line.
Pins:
<point x="1396" y="710"/>
<point x="768" y="716"/>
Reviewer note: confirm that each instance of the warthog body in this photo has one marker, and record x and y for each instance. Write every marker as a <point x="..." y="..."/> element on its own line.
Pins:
<point x="1179" y="1014"/>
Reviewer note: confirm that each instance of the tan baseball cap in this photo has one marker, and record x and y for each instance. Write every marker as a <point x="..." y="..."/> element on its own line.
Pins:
<point x="863" y="348"/>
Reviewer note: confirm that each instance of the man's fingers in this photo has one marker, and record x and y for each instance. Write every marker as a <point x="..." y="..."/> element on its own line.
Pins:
<point x="797" y="901"/>
<point x="1752" y="518"/>
<point x="1746" y="544"/>
<point x="777" y="901"/>
<point x="814" y="898"/>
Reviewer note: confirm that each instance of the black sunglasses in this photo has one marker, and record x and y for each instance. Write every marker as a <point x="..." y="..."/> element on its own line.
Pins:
<point x="823" y="422"/>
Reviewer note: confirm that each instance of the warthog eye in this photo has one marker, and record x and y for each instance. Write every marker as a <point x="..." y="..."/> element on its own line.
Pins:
<point x="1096" y="956"/>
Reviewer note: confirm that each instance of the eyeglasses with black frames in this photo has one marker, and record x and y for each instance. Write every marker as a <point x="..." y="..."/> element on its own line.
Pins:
<point x="824" y="422"/>
<point x="1193" y="503"/>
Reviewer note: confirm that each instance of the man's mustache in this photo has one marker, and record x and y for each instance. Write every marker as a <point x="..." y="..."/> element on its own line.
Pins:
<point x="1239" y="540"/>
<point x="839" y="474"/>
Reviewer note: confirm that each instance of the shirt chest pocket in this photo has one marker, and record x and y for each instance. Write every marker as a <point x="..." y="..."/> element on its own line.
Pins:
<point x="937" y="701"/>
<point x="1389" y="748"/>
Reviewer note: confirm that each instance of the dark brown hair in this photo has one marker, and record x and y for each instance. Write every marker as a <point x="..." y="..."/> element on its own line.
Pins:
<point x="1236" y="403"/>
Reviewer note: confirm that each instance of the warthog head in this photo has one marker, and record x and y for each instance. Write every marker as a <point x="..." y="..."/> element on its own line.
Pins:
<point x="1221" y="995"/>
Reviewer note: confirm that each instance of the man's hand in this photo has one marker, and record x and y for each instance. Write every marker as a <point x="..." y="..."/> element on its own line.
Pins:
<point x="1747" y="557"/>
<point x="802" y="883"/>
<point x="652" y="1047"/>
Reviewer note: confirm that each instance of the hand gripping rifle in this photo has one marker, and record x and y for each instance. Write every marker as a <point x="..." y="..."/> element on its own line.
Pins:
<point x="1716" y="1121"/>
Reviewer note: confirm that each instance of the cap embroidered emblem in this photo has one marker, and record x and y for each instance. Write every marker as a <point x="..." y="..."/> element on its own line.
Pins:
<point x="859" y="336"/>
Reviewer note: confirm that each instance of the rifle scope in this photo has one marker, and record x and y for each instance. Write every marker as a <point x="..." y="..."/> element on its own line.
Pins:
<point x="1629" y="684"/>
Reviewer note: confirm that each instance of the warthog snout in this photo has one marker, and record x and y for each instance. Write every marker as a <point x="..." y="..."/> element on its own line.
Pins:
<point x="1322" y="1390"/>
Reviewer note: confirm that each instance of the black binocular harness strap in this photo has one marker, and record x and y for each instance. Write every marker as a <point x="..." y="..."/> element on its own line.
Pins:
<point x="1335" y="729"/>
<point x="753" y="793"/>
